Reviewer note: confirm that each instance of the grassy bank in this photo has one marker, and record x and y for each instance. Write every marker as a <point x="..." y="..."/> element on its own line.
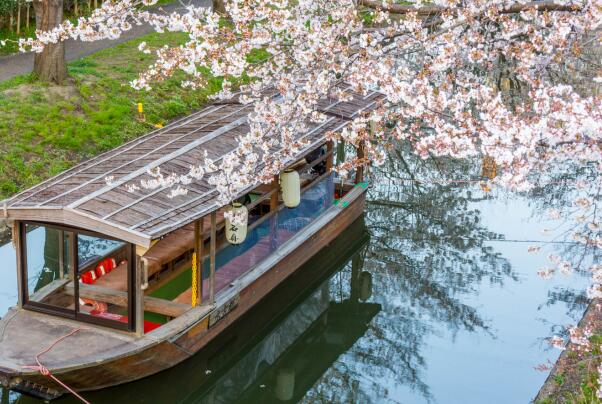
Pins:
<point x="575" y="381"/>
<point x="46" y="129"/>
<point x="574" y="377"/>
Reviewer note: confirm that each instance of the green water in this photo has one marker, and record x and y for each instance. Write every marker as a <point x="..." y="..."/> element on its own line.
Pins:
<point x="431" y="297"/>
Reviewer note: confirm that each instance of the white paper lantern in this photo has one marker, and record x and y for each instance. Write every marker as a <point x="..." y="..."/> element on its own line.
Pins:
<point x="365" y="285"/>
<point x="236" y="233"/>
<point x="291" y="188"/>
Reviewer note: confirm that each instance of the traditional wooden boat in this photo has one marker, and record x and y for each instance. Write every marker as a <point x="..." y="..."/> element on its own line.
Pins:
<point x="118" y="282"/>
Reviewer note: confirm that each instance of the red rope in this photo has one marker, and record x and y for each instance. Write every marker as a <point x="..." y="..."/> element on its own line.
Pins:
<point x="45" y="372"/>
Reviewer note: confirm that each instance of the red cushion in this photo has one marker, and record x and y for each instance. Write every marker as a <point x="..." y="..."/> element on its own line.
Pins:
<point x="109" y="264"/>
<point x="101" y="270"/>
<point x="89" y="277"/>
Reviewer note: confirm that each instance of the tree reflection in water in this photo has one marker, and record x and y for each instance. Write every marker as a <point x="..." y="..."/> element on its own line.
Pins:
<point x="427" y="248"/>
<point x="555" y="196"/>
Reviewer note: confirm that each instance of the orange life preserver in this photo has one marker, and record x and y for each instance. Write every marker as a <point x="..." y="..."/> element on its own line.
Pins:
<point x="100" y="307"/>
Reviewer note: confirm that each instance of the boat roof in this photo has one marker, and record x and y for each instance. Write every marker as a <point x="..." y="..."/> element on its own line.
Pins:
<point x="82" y="197"/>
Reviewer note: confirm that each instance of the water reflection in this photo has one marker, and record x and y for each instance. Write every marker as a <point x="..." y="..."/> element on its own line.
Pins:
<point x="462" y="305"/>
<point x="456" y="308"/>
<point x="553" y="200"/>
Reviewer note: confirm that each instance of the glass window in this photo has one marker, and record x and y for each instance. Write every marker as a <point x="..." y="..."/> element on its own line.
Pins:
<point x="103" y="278"/>
<point x="48" y="266"/>
<point x="93" y="286"/>
<point x="264" y="239"/>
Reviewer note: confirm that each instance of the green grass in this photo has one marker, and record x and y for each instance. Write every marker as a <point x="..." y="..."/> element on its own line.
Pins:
<point x="46" y="129"/>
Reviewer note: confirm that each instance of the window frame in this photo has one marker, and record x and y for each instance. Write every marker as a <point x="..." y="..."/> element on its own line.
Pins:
<point x="73" y="258"/>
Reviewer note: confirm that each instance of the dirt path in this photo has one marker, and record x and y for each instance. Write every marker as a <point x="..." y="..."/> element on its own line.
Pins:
<point x="14" y="65"/>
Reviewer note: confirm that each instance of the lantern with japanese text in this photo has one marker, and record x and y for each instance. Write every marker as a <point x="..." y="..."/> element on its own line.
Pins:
<point x="236" y="223"/>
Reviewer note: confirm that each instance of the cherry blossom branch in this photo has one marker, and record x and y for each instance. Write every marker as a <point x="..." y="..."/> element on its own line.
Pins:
<point x="393" y="8"/>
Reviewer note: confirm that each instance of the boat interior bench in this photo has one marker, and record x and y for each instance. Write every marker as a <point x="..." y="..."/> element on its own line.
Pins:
<point x="120" y="298"/>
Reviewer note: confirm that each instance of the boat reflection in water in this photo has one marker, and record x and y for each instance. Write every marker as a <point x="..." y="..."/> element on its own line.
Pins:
<point x="279" y="349"/>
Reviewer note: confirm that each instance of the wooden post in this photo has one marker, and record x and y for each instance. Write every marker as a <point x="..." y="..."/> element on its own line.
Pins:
<point x="17" y="244"/>
<point x="61" y="254"/>
<point x="212" y="257"/>
<point x="329" y="159"/>
<point x="274" y="196"/>
<point x="72" y="251"/>
<point x="359" y="173"/>
<point x="139" y="301"/>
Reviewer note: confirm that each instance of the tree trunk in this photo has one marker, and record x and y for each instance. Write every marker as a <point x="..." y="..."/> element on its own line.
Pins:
<point x="27" y="16"/>
<point x="75" y="10"/>
<point x="18" y="17"/>
<point x="219" y="7"/>
<point x="49" y="65"/>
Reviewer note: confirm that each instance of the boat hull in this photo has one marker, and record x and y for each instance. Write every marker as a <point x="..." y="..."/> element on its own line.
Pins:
<point x="166" y="353"/>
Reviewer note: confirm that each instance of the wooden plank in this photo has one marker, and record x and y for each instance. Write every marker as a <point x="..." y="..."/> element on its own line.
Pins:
<point x="18" y="245"/>
<point x="139" y="298"/>
<point x="330" y="154"/>
<point x="48" y="289"/>
<point x="156" y="163"/>
<point x="119" y="298"/>
<point x="212" y="259"/>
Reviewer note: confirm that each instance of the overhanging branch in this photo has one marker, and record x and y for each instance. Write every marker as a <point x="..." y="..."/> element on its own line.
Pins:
<point x="430" y="10"/>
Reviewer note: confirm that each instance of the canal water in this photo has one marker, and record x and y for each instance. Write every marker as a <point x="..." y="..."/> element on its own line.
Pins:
<point x="431" y="297"/>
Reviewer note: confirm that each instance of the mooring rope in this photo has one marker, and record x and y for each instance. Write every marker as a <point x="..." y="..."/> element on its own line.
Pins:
<point x="46" y="372"/>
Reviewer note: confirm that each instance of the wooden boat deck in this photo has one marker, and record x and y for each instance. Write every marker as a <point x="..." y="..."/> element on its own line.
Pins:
<point x="30" y="333"/>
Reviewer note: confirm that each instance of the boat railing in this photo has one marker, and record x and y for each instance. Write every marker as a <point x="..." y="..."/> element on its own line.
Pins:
<point x="267" y="234"/>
